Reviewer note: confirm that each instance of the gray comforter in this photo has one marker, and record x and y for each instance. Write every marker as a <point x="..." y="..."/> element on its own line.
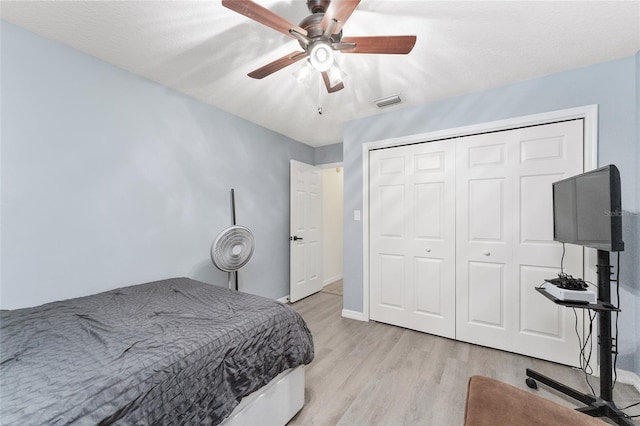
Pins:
<point x="176" y="351"/>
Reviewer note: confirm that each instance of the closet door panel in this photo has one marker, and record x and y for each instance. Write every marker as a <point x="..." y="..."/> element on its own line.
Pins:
<point x="428" y="273"/>
<point x="484" y="310"/>
<point x="513" y="227"/>
<point x="411" y="198"/>
<point x="391" y="271"/>
<point x="486" y="288"/>
<point x="546" y="154"/>
<point x="537" y="319"/>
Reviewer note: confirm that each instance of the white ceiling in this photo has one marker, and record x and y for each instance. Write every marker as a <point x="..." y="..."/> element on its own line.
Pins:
<point x="205" y="50"/>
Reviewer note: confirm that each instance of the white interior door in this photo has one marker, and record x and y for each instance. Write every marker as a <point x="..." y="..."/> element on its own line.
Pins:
<point x="505" y="244"/>
<point x="306" y="231"/>
<point x="412" y="237"/>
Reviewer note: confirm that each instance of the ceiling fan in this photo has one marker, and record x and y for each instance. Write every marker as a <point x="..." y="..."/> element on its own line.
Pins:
<point x="319" y="35"/>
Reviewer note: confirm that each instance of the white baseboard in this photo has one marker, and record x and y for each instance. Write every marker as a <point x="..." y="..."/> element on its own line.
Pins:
<point x="331" y="280"/>
<point x="284" y="299"/>
<point x="354" y="315"/>
<point x="629" y="378"/>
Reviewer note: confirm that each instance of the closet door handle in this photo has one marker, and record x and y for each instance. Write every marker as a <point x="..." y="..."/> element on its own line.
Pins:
<point x="295" y="238"/>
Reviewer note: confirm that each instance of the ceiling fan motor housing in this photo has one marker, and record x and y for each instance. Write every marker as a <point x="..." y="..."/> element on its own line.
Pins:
<point x="318" y="6"/>
<point x="312" y="24"/>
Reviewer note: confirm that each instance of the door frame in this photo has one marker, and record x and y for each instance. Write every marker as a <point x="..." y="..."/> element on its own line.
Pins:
<point x="589" y="113"/>
<point x="332" y="166"/>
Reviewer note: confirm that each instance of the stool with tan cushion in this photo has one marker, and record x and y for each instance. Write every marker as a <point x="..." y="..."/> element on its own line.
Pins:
<point x="493" y="403"/>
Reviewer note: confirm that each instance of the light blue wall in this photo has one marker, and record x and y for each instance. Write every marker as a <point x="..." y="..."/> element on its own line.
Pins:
<point x="611" y="85"/>
<point x="109" y="179"/>
<point x="636" y="291"/>
<point x="328" y="154"/>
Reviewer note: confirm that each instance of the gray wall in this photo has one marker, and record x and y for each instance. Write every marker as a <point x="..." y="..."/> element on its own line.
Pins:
<point x="328" y="154"/>
<point x="636" y="289"/>
<point x="611" y="85"/>
<point x="109" y="179"/>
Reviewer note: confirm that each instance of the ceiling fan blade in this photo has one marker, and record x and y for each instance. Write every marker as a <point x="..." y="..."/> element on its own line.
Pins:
<point x="277" y="65"/>
<point x="262" y="15"/>
<point x="327" y="83"/>
<point x="340" y="10"/>
<point x="381" y="44"/>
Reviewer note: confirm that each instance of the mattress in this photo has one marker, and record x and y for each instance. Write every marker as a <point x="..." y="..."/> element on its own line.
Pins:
<point x="175" y="351"/>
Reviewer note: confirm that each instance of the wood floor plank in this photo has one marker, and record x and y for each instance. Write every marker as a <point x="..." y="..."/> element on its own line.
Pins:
<point x="397" y="372"/>
<point x="369" y="373"/>
<point x="333" y="288"/>
<point x="340" y="381"/>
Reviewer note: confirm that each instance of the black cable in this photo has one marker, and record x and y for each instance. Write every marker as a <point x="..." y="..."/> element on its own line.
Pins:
<point x="627" y="416"/>
<point x="629" y="406"/>
<point x="590" y="338"/>
<point x="618" y="281"/>
<point x="583" y="358"/>
<point x="615" y="353"/>
<point x="588" y="370"/>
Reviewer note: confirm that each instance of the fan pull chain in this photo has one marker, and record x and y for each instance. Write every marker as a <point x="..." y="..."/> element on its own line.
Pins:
<point x="319" y="93"/>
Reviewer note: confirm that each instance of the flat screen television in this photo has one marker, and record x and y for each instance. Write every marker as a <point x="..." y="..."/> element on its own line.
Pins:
<point x="587" y="210"/>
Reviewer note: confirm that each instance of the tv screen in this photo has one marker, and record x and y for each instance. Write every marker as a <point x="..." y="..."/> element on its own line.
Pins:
<point x="587" y="210"/>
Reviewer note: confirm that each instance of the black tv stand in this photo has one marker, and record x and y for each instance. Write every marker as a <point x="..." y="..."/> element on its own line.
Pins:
<point x="602" y="406"/>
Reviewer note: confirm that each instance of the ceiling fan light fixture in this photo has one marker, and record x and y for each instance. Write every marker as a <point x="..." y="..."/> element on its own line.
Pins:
<point x="321" y="56"/>
<point x="336" y="75"/>
<point x="304" y="74"/>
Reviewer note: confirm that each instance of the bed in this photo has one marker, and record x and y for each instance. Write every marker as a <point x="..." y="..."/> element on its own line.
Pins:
<point x="176" y="351"/>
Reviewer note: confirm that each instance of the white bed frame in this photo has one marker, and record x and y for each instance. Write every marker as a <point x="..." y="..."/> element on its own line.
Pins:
<point x="272" y="405"/>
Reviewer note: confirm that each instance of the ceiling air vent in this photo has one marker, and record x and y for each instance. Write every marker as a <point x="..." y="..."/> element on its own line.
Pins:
<point x="388" y="100"/>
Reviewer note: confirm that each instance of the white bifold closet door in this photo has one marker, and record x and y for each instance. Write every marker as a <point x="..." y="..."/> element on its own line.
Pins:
<point x="504" y="239"/>
<point x="412" y="237"/>
<point x="461" y="231"/>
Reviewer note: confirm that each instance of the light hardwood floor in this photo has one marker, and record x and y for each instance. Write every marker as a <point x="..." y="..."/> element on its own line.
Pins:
<point x="377" y="374"/>
<point x="333" y="288"/>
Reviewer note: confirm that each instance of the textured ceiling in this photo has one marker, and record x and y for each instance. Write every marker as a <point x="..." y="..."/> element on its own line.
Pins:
<point x="205" y="50"/>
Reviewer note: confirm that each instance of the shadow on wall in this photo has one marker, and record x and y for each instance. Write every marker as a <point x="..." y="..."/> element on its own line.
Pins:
<point x="629" y="284"/>
<point x="630" y="268"/>
<point x="206" y="272"/>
